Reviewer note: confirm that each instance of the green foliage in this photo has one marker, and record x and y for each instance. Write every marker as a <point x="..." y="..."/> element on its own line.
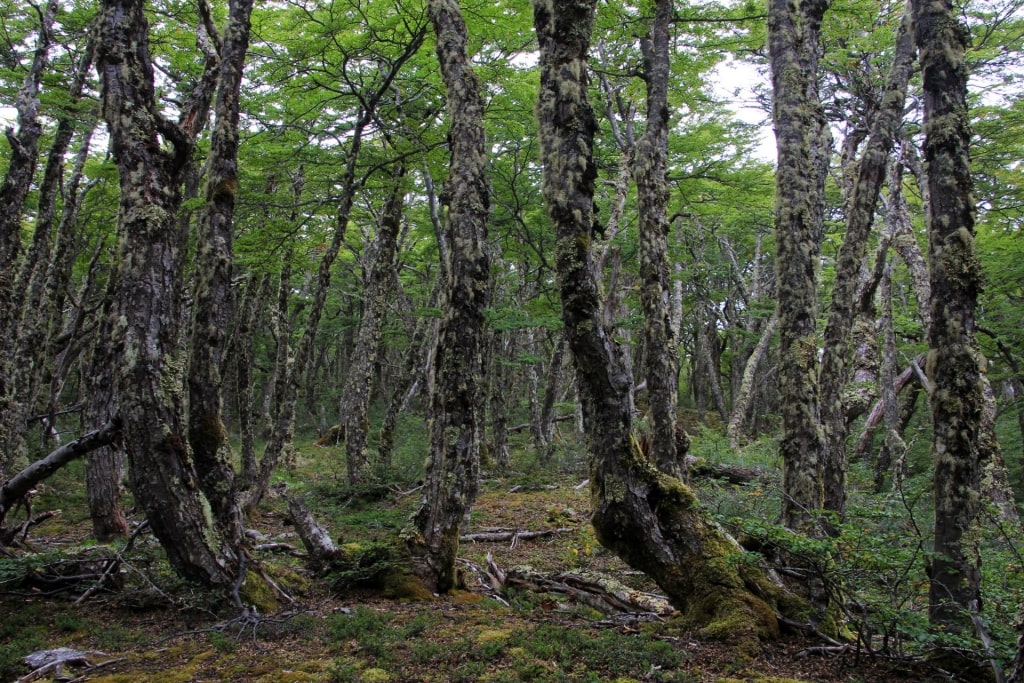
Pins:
<point x="22" y="632"/>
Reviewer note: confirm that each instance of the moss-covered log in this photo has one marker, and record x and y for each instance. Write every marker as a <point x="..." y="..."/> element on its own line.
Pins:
<point x="648" y="518"/>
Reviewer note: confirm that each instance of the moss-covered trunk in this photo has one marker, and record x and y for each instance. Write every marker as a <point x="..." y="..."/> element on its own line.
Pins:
<point x="458" y="397"/>
<point x="150" y="373"/>
<point x="649" y="519"/>
<point x="803" y="143"/>
<point x="213" y="297"/>
<point x="842" y="315"/>
<point x="954" y="363"/>
<point x="650" y="169"/>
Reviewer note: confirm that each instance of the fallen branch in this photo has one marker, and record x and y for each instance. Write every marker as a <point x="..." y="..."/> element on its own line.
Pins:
<point x="285" y="548"/>
<point x="17" y="486"/>
<point x="510" y="535"/>
<point x="47" y="662"/>
<point x="734" y="474"/>
<point x="600" y="592"/>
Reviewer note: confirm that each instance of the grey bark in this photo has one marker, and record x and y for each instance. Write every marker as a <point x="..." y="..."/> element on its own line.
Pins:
<point x="149" y="378"/>
<point x="356" y="392"/>
<point x="453" y="468"/>
<point x="213" y="297"/>
<point x="16" y="184"/>
<point x="650" y="170"/>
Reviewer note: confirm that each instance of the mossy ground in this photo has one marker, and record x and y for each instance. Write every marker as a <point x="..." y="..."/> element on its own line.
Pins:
<point x="155" y="628"/>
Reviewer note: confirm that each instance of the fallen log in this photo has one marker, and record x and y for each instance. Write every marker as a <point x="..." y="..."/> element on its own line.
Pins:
<point x="510" y="535"/>
<point x="595" y="590"/>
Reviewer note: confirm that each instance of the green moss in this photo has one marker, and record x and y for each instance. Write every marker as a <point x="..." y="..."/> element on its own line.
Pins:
<point x="406" y="587"/>
<point x="375" y="675"/>
<point x="256" y="591"/>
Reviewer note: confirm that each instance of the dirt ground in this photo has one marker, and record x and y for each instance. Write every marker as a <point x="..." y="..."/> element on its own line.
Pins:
<point x="147" y="626"/>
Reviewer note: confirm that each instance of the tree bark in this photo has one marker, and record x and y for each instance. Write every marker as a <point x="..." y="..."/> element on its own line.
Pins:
<point x="650" y="169"/>
<point x="803" y="148"/>
<point x="649" y="519"/>
<point x="741" y="401"/>
<point x="152" y="154"/>
<point x="954" y="363"/>
<point x="17" y="486"/>
<point x="454" y="464"/>
<point x="16" y="184"/>
<point x="871" y="173"/>
<point x="213" y="298"/>
<point x="355" y="394"/>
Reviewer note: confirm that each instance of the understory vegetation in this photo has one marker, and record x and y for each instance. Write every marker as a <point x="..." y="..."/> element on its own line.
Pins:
<point x="123" y="605"/>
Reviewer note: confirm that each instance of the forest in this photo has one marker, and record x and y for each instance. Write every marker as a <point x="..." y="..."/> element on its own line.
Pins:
<point x="428" y="340"/>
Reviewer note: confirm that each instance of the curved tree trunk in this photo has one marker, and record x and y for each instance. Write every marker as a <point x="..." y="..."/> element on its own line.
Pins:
<point x="744" y="393"/>
<point x="803" y="142"/>
<point x="871" y="173"/>
<point x="454" y="464"/>
<point x="150" y="376"/>
<point x="16" y="184"/>
<point x="213" y="297"/>
<point x="954" y="358"/>
<point x="649" y="519"/>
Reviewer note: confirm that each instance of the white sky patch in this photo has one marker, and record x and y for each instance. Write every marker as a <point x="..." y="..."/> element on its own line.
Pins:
<point x="734" y="82"/>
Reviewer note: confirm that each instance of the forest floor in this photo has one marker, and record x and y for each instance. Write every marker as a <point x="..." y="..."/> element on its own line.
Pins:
<point x="145" y="625"/>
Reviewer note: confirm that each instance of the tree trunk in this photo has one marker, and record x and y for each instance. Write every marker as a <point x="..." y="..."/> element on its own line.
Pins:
<point x="16" y="184"/>
<point x="741" y="401"/>
<point x="418" y="357"/>
<point x="355" y="394"/>
<point x="803" y="142"/>
<point x="649" y="519"/>
<point x="150" y="375"/>
<point x="242" y="345"/>
<point x="213" y="298"/>
<point x="501" y="379"/>
<point x="455" y="406"/>
<point x="287" y="387"/>
<point x="954" y="359"/>
<point x="104" y="467"/>
<point x="650" y="169"/>
<point x="547" y="409"/>
<point x="871" y="173"/>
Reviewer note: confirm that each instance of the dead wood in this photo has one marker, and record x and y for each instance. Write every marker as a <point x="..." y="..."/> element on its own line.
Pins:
<point x="510" y="535"/>
<point x="316" y="539"/>
<point x="20" y="484"/>
<point x="734" y="474"/>
<point x="595" y="590"/>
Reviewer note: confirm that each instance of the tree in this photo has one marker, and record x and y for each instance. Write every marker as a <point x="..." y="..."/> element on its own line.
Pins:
<point x="213" y="298"/>
<point x="454" y="464"/>
<point x="650" y="168"/>
<point x="954" y="363"/>
<point x="152" y="154"/>
<point x="803" y="142"/>
<point x="649" y="519"/>
<point x="867" y="184"/>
